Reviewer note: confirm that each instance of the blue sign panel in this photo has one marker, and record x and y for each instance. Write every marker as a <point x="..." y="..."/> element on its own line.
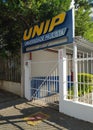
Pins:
<point x="41" y="36"/>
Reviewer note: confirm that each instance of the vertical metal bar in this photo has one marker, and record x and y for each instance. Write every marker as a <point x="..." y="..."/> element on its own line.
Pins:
<point x="80" y="76"/>
<point x="92" y="73"/>
<point x="47" y="85"/>
<point x="38" y="80"/>
<point x="83" y="85"/>
<point x="75" y="72"/>
<point x="88" y="85"/>
<point x="69" y="78"/>
<point x="54" y="81"/>
<point x="70" y="82"/>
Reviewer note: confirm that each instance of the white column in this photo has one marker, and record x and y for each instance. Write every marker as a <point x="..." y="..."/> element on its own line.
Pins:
<point x="28" y="80"/>
<point x="92" y="72"/>
<point x="72" y="6"/>
<point x="62" y="77"/>
<point x="24" y="57"/>
<point x="91" y="63"/>
<point x="75" y="72"/>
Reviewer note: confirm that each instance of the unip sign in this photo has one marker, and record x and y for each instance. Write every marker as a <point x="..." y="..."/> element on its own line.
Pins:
<point x="39" y="35"/>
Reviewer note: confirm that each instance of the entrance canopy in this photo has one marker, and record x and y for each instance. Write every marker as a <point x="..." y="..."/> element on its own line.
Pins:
<point x="82" y="46"/>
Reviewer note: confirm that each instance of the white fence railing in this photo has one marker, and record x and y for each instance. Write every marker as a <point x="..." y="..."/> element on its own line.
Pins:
<point x="85" y="79"/>
<point x="75" y="94"/>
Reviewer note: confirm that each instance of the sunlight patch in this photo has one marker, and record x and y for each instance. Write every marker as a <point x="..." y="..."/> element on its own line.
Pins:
<point x="36" y="118"/>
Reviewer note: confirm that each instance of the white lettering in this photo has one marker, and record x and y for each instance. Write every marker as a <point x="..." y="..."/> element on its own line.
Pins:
<point x="46" y="37"/>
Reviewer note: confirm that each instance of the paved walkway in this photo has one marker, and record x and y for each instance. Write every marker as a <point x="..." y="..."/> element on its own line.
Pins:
<point x="13" y="110"/>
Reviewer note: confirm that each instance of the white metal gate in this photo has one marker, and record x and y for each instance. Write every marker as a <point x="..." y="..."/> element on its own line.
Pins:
<point x="45" y="82"/>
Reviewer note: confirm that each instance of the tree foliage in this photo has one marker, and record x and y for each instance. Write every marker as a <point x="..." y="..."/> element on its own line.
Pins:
<point x="10" y="28"/>
<point x="83" y="21"/>
<point x="17" y="15"/>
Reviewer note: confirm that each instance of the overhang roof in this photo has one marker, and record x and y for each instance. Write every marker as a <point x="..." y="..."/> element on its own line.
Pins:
<point x="83" y="45"/>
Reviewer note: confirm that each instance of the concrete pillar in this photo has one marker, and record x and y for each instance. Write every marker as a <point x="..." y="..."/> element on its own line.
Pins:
<point x="62" y="77"/>
<point x="75" y="72"/>
<point x="24" y="57"/>
<point x="92" y="72"/>
<point x="27" y="89"/>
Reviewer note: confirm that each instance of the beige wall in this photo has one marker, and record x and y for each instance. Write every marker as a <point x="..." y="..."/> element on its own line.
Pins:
<point x="43" y="62"/>
<point x="11" y="87"/>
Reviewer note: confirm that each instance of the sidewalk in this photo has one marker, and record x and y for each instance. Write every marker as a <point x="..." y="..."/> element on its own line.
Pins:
<point x="13" y="110"/>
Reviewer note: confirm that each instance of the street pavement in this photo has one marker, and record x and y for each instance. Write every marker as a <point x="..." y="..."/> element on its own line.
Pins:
<point x="14" y="109"/>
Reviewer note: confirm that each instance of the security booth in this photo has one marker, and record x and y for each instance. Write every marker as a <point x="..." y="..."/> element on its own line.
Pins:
<point x="58" y="69"/>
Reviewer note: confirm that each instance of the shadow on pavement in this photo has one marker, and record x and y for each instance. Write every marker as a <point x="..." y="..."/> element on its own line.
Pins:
<point x="56" y="120"/>
<point x="13" y="117"/>
<point x="8" y="99"/>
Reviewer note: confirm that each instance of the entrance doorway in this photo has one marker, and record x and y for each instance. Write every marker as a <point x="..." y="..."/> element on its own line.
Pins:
<point x="45" y="77"/>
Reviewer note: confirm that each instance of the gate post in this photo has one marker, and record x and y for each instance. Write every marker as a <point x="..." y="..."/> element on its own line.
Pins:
<point x="92" y="72"/>
<point x="62" y="77"/>
<point x="75" y="72"/>
<point x="28" y="79"/>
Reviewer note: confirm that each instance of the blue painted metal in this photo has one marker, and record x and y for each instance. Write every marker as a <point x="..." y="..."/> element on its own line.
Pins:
<point x="37" y="81"/>
<point x="51" y="80"/>
<point x="68" y="24"/>
<point x="70" y="81"/>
